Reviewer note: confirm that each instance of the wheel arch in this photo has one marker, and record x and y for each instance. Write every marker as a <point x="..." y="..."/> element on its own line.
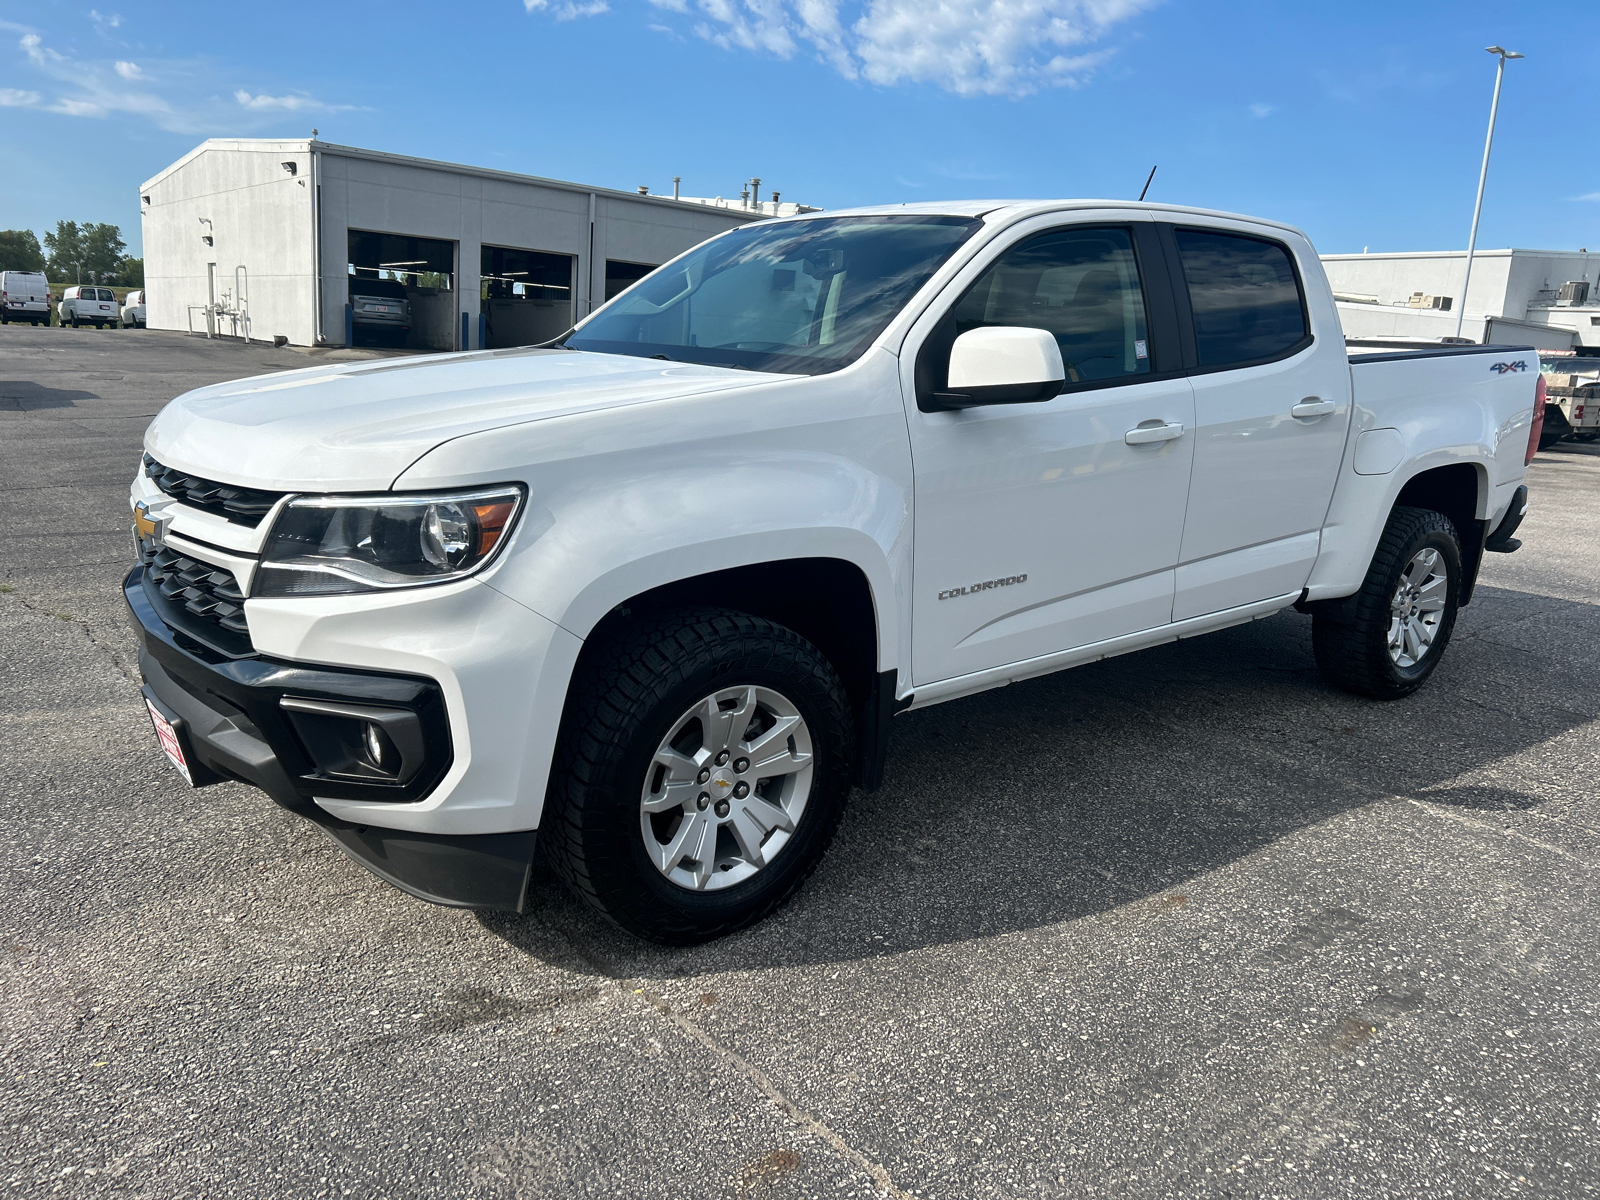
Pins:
<point x="1461" y="492"/>
<point x="829" y="601"/>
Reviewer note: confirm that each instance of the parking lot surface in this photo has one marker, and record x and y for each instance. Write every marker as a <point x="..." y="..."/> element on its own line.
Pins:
<point x="1182" y="923"/>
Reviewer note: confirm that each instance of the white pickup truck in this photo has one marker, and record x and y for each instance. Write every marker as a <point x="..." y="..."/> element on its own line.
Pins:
<point x="655" y="591"/>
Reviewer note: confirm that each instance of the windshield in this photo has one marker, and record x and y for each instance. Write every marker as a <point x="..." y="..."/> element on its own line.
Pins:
<point x="1553" y="365"/>
<point x="796" y="297"/>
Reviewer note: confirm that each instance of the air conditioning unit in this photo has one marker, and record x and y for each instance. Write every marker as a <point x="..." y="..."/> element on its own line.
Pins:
<point x="1574" y="292"/>
<point x="1421" y="300"/>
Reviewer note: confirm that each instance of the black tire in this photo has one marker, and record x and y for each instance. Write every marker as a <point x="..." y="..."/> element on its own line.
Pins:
<point x="1556" y="427"/>
<point x="74" y="320"/>
<point x="1354" y="654"/>
<point x="631" y="691"/>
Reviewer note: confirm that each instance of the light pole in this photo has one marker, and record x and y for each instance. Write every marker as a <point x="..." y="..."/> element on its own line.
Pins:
<point x="1477" y="208"/>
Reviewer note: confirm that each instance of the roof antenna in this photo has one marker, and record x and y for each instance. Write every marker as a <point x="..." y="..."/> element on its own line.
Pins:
<point x="1146" y="186"/>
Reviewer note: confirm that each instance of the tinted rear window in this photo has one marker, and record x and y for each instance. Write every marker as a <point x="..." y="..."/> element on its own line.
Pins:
<point x="392" y="288"/>
<point x="1245" y="294"/>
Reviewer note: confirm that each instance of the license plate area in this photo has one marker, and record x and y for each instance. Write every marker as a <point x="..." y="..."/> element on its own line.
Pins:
<point x="170" y="737"/>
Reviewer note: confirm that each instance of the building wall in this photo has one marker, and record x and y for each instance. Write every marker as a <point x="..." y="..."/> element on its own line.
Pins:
<point x="416" y="199"/>
<point x="1504" y="282"/>
<point x="259" y="218"/>
<point x="1394" y="277"/>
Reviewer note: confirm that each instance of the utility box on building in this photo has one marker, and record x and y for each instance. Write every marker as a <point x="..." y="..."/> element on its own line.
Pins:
<point x="265" y="238"/>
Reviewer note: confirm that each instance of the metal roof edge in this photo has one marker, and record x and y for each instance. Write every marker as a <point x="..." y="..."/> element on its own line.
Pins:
<point x="432" y="164"/>
<point x="429" y="164"/>
<point x="225" y="144"/>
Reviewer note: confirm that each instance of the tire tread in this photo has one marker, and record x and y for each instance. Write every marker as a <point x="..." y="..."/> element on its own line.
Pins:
<point x="624" y="679"/>
<point x="1349" y="654"/>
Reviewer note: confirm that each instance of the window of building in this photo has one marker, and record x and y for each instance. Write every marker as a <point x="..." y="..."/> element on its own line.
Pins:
<point x="415" y="262"/>
<point x="1245" y="295"/>
<point x="620" y="276"/>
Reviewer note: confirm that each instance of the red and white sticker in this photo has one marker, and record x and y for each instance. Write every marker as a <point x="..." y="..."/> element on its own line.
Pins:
<point x="168" y="737"/>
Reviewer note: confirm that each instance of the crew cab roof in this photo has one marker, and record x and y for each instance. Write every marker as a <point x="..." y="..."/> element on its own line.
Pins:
<point x="1005" y="211"/>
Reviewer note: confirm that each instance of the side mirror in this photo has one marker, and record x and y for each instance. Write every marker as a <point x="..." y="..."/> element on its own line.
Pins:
<point x="1001" y="364"/>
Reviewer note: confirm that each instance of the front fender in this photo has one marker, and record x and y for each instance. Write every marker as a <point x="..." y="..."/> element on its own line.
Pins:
<point x="623" y="502"/>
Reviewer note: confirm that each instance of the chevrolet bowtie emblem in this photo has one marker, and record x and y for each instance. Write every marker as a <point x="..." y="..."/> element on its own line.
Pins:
<point x="147" y="524"/>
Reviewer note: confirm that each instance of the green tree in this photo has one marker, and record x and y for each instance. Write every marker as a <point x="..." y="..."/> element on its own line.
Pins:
<point x="130" y="273"/>
<point x="102" y="252"/>
<point x="66" y="252"/>
<point x="89" y="253"/>
<point x="19" y="251"/>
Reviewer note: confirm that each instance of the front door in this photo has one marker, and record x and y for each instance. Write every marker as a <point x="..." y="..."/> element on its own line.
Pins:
<point x="1039" y="527"/>
<point x="1272" y="405"/>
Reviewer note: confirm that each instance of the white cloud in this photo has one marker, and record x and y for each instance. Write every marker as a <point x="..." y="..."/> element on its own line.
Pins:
<point x="276" y="103"/>
<point x="1262" y="110"/>
<point x="567" y="11"/>
<point x="41" y="54"/>
<point x="971" y="48"/>
<point x="186" y="101"/>
<point x="109" y="20"/>
<point x="1590" y="196"/>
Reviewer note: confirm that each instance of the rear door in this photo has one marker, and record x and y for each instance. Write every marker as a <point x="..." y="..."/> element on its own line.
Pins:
<point x="1038" y="527"/>
<point x="1272" y="409"/>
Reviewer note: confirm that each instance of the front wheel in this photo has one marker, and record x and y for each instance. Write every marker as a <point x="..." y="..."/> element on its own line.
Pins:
<point x="1400" y="621"/>
<point x="702" y="771"/>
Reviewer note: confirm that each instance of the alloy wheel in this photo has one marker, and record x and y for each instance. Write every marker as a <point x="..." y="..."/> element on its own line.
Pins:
<point x="726" y="788"/>
<point x="1418" y="606"/>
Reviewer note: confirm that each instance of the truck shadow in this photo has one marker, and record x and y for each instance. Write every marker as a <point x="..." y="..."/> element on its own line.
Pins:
<point x="1116" y="784"/>
<point x="23" y="395"/>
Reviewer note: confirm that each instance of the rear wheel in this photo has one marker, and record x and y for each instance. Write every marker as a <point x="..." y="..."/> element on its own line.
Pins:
<point x="1556" y="427"/>
<point x="703" y="769"/>
<point x="1401" y="620"/>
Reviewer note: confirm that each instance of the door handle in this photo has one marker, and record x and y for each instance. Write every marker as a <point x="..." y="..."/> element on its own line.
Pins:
<point x="1152" y="431"/>
<point x="1313" y="406"/>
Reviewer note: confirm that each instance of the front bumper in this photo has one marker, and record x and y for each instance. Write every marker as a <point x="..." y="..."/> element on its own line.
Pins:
<point x="234" y="723"/>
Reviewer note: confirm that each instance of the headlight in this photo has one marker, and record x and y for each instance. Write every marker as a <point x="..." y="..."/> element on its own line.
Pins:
<point x="336" y="545"/>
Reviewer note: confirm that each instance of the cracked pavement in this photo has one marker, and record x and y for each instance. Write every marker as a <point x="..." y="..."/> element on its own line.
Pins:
<point x="1181" y="923"/>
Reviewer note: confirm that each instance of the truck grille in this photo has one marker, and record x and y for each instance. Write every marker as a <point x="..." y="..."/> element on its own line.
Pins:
<point x="201" y="590"/>
<point x="243" y="506"/>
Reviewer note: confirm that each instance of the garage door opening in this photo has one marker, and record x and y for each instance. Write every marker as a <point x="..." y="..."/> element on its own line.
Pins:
<point x="526" y="296"/>
<point x="622" y="275"/>
<point x="402" y="291"/>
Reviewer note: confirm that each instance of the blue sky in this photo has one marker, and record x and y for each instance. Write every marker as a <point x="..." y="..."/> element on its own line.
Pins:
<point x="1362" y="123"/>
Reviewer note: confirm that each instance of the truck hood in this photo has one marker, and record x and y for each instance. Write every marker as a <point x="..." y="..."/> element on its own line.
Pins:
<point x="358" y="426"/>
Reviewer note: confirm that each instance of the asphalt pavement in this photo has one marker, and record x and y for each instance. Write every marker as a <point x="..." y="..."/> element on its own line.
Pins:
<point x="1185" y="923"/>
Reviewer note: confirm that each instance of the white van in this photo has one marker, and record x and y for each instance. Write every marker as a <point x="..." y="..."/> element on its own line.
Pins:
<point x="88" y="305"/>
<point x="24" y="296"/>
<point x="133" y="309"/>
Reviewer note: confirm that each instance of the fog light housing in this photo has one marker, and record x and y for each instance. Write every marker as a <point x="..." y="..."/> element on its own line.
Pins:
<point x="357" y="742"/>
<point x="380" y="750"/>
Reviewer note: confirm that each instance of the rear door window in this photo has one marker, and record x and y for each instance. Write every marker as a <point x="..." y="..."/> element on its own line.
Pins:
<point x="1246" y="297"/>
<point x="1082" y="286"/>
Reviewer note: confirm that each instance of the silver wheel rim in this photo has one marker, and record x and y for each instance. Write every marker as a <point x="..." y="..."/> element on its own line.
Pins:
<point x="726" y="788"/>
<point x="1417" y="609"/>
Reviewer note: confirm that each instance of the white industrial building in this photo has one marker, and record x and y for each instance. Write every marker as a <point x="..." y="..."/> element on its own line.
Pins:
<point x="1544" y="298"/>
<point x="263" y="236"/>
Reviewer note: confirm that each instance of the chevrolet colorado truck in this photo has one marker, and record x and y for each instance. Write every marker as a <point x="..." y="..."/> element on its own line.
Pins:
<point x="650" y="595"/>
